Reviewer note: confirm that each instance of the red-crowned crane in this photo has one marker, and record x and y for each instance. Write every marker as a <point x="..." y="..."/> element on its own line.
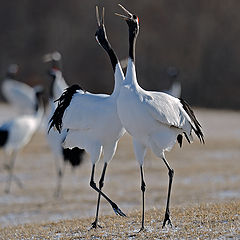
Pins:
<point x="92" y="121"/>
<point x="55" y="139"/>
<point x="175" y="88"/>
<point x="15" y="134"/>
<point x="155" y="120"/>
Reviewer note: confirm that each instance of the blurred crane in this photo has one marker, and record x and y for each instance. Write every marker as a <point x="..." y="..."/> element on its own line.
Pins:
<point x="15" y="134"/>
<point x="20" y="95"/>
<point x="175" y="89"/>
<point x="62" y="156"/>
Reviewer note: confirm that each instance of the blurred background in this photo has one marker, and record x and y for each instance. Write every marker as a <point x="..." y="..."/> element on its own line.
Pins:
<point x="200" y="38"/>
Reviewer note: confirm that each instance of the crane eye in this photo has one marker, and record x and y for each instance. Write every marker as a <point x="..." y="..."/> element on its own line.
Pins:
<point x="136" y="18"/>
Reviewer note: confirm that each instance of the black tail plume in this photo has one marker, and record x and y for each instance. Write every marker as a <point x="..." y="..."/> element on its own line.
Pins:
<point x="4" y="134"/>
<point x="74" y="156"/>
<point x="197" y="127"/>
<point x="63" y="103"/>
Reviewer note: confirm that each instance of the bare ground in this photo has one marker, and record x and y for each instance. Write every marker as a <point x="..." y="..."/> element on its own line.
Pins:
<point x="205" y="195"/>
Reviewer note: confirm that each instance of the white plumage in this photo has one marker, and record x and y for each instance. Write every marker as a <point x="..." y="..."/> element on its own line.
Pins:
<point x="154" y="119"/>
<point x="59" y="84"/>
<point x="20" y="131"/>
<point x="92" y="120"/>
<point x="15" y="134"/>
<point x="17" y="93"/>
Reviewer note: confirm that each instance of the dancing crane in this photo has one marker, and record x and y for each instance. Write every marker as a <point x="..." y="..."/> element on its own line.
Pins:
<point x="154" y="119"/>
<point x="92" y="121"/>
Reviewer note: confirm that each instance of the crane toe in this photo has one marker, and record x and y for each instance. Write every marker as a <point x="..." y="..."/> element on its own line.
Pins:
<point x="94" y="225"/>
<point x="167" y="220"/>
<point x="118" y="211"/>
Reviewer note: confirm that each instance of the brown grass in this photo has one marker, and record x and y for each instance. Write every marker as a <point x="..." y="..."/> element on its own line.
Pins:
<point x="204" y="221"/>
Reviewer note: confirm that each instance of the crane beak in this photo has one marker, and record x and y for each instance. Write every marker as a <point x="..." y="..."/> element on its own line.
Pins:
<point x="126" y="11"/>
<point x="100" y="22"/>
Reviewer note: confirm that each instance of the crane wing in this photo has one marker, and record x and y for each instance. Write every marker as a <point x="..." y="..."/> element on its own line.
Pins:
<point x="77" y="109"/>
<point x="165" y="109"/>
<point x="19" y="94"/>
<point x="84" y="110"/>
<point x="173" y="112"/>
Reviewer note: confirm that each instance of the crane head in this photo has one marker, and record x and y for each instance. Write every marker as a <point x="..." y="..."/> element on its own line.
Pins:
<point x="131" y="19"/>
<point x="12" y="70"/>
<point x="100" y="34"/>
<point x="54" y="72"/>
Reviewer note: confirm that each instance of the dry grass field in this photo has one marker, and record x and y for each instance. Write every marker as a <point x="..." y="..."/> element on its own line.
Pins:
<point x="205" y="197"/>
<point x="205" y="221"/>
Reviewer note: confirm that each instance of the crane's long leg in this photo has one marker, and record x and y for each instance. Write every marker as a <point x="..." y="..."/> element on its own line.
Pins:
<point x="18" y="181"/>
<point x="14" y="177"/>
<point x="60" y="174"/>
<point x="143" y="185"/>
<point x="101" y="183"/>
<point x="140" y="152"/>
<point x="116" y="209"/>
<point x="167" y="212"/>
<point x="10" y="172"/>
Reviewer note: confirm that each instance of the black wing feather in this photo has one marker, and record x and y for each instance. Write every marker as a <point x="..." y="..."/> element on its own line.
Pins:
<point x="63" y="102"/>
<point x="197" y="126"/>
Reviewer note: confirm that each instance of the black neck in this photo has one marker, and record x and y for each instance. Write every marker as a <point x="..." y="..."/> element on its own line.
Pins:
<point x="132" y="45"/>
<point x="111" y="53"/>
<point x="51" y="87"/>
<point x="39" y="102"/>
<point x="36" y="107"/>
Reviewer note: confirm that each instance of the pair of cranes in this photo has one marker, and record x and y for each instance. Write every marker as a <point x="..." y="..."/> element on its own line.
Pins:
<point x="16" y="133"/>
<point x="96" y="122"/>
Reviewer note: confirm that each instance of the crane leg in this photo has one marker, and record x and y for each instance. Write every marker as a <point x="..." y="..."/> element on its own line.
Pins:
<point x="116" y="209"/>
<point x="101" y="183"/>
<point x="10" y="173"/>
<point x="18" y="181"/>
<point x="167" y="212"/>
<point x="60" y="174"/>
<point x="143" y="186"/>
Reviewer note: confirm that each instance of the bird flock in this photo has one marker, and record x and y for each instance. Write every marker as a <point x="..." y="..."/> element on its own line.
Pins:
<point x="80" y="122"/>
